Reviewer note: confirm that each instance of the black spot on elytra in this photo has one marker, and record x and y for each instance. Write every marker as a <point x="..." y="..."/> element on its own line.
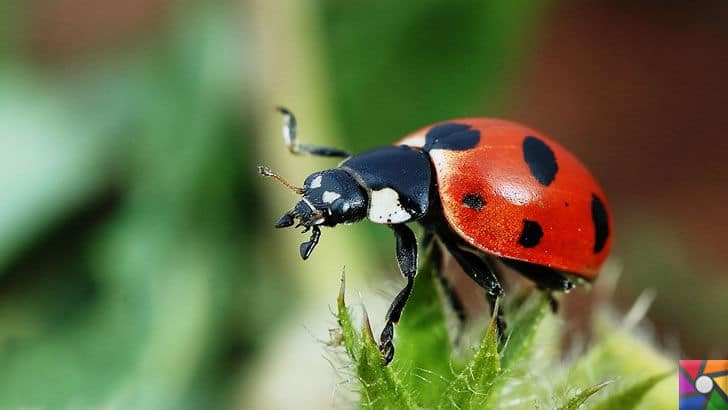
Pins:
<point x="474" y="201"/>
<point x="531" y="234"/>
<point x="601" y="223"/>
<point x="540" y="159"/>
<point x="451" y="136"/>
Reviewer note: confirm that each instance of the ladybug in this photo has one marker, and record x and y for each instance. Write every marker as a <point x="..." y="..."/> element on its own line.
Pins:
<point x="491" y="192"/>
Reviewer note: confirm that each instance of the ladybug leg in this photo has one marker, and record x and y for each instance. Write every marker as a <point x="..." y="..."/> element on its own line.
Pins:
<point x="434" y="252"/>
<point x="289" y="136"/>
<point x="428" y="239"/>
<point x="500" y="320"/>
<point x="407" y="259"/>
<point x="553" y="303"/>
<point x="453" y="298"/>
<point x="545" y="278"/>
<point x="484" y="275"/>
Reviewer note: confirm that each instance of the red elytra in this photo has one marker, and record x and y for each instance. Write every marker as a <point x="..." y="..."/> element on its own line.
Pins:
<point x="496" y="170"/>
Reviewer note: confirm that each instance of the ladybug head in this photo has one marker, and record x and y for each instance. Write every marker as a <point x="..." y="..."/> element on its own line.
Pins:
<point x="328" y="198"/>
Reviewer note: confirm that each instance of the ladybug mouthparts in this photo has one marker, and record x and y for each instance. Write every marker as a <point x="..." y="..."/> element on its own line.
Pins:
<point x="307" y="214"/>
<point x="309" y="219"/>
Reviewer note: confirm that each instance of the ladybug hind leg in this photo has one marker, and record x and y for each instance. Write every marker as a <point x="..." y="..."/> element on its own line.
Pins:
<point x="485" y="275"/>
<point x="547" y="279"/>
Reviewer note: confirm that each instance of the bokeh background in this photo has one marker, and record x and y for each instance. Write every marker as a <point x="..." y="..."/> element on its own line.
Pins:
<point x="138" y="263"/>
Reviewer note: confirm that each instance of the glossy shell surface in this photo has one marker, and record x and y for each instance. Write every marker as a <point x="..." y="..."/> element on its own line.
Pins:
<point x="511" y="191"/>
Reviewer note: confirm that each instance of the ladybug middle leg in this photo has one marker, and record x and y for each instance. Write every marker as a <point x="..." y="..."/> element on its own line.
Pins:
<point x="484" y="274"/>
<point x="289" y="135"/>
<point x="407" y="260"/>
<point x="434" y="251"/>
<point x="545" y="278"/>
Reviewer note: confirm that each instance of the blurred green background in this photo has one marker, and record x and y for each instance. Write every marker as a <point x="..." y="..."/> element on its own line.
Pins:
<point x="138" y="263"/>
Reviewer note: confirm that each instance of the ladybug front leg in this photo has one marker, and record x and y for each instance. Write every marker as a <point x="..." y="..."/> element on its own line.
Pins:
<point x="289" y="136"/>
<point x="407" y="259"/>
<point x="484" y="275"/>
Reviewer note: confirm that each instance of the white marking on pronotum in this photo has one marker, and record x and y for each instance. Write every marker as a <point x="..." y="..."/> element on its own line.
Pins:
<point x="316" y="183"/>
<point x="330" y="197"/>
<point x="417" y="140"/>
<point x="384" y="207"/>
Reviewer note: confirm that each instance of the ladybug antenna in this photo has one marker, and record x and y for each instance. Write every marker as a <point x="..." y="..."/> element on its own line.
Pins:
<point x="266" y="172"/>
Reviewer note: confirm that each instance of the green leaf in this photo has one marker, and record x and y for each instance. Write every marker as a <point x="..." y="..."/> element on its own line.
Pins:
<point x="472" y="386"/>
<point x="630" y="397"/>
<point x="351" y="339"/>
<point x="379" y="386"/>
<point x="617" y="353"/>
<point x="422" y="346"/>
<point x="517" y="357"/>
<point x="581" y="396"/>
<point x="529" y="371"/>
<point x="521" y="341"/>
